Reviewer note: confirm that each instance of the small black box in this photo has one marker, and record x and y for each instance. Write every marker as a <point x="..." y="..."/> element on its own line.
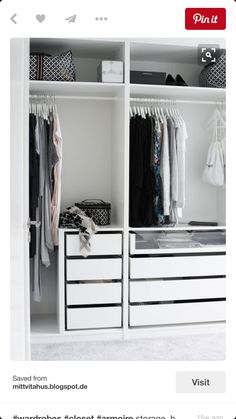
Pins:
<point x="147" y="77"/>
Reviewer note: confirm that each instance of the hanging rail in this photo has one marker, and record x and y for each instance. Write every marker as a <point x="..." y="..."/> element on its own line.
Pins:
<point x="175" y="101"/>
<point x="41" y="96"/>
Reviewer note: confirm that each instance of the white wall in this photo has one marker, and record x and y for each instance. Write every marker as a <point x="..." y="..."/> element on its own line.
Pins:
<point x="87" y="135"/>
<point x="201" y="198"/>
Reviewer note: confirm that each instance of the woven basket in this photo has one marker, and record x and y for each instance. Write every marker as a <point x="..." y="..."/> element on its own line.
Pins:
<point x="214" y="75"/>
<point x="98" y="210"/>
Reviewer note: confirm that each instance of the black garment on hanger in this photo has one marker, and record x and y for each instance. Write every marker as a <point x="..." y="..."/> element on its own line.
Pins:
<point x="33" y="181"/>
<point x="148" y="180"/>
<point x="136" y="169"/>
<point x="141" y="175"/>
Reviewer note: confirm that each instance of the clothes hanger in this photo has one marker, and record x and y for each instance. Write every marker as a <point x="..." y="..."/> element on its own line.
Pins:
<point x="160" y="115"/>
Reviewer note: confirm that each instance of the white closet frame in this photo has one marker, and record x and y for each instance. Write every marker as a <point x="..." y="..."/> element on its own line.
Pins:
<point x="99" y="91"/>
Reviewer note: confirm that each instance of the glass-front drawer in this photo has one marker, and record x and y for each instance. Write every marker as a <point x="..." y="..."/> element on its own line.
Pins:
<point x="182" y="241"/>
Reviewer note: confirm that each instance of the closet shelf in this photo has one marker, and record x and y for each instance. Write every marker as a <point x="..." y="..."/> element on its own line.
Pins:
<point x="76" y="89"/>
<point x="178" y="92"/>
<point x="107" y="228"/>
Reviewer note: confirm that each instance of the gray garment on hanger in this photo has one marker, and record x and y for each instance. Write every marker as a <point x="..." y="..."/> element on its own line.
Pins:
<point x="36" y="262"/>
<point x="46" y="236"/>
<point x="165" y="169"/>
<point x="172" y="128"/>
<point x="52" y="153"/>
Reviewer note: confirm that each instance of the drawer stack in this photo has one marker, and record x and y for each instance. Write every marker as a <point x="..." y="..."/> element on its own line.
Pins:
<point x="176" y="288"/>
<point x="93" y="285"/>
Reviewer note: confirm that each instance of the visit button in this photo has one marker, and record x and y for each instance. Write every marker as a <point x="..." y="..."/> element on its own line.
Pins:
<point x="205" y="18"/>
<point x="200" y="382"/>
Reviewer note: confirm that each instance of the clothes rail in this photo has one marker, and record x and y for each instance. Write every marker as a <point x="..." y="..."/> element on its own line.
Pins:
<point x="175" y="101"/>
<point x="35" y="96"/>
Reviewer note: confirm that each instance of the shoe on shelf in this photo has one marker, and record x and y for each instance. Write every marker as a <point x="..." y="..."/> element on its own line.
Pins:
<point x="170" y="80"/>
<point x="179" y="81"/>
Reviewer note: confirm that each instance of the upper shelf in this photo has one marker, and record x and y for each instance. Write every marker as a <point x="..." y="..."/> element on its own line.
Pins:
<point x="76" y="89"/>
<point x="177" y="92"/>
<point x="111" y="90"/>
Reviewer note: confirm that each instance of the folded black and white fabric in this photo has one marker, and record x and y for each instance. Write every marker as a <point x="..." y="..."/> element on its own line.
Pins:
<point x="74" y="217"/>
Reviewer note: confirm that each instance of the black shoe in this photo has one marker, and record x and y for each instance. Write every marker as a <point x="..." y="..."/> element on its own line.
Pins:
<point x="179" y="81"/>
<point x="170" y="80"/>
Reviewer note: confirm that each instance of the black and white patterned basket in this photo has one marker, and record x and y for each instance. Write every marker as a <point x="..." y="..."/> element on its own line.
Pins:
<point x="52" y="67"/>
<point x="214" y="75"/>
<point x="98" y="210"/>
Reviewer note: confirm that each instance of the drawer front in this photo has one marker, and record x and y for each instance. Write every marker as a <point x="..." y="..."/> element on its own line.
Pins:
<point x="79" y="294"/>
<point x="167" y="267"/>
<point x="151" y="315"/>
<point x="93" y="318"/>
<point x="167" y="290"/>
<point x="101" y="244"/>
<point x="90" y="269"/>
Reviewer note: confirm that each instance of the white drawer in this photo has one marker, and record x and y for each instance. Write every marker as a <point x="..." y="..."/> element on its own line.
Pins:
<point x="167" y="267"/>
<point x="101" y="244"/>
<point x="79" y="294"/>
<point x="161" y="314"/>
<point x="167" y="290"/>
<point x="90" y="269"/>
<point x="182" y="241"/>
<point x="93" y="317"/>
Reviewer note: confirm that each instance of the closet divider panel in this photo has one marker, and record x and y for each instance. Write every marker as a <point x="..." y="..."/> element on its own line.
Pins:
<point x="117" y="159"/>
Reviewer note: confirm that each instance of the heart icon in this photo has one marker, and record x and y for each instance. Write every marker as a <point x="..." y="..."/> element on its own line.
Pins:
<point x="40" y="18"/>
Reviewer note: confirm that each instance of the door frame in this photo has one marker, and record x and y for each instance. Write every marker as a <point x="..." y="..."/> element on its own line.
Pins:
<point x="19" y="249"/>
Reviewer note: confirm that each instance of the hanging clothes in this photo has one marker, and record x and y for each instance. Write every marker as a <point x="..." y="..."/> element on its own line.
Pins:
<point x="56" y="194"/>
<point x="158" y="212"/>
<point x="43" y="159"/>
<point x="141" y="174"/>
<point x="215" y="169"/>
<point x="165" y="169"/>
<point x="33" y="180"/>
<point x="157" y="166"/>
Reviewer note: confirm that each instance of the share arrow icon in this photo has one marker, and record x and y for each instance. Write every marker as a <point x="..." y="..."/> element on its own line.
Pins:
<point x="71" y="19"/>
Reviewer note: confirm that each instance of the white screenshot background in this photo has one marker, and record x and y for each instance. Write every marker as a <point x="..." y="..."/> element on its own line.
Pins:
<point x="114" y="388"/>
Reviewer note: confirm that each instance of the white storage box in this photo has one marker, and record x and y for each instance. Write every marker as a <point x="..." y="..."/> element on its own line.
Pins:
<point x="110" y="72"/>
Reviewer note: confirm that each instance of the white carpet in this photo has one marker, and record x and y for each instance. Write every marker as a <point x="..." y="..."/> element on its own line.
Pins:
<point x="209" y="347"/>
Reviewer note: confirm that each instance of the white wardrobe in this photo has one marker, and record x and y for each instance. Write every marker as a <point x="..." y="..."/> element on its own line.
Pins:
<point x="127" y="287"/>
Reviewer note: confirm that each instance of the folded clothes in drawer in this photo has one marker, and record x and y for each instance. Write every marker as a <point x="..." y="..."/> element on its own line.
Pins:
<point x="93" y="318"/>
<point x="209" y="238"/>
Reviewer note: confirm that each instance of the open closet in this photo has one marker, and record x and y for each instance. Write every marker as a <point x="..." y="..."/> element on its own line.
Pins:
<point x="138" y="279"/>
